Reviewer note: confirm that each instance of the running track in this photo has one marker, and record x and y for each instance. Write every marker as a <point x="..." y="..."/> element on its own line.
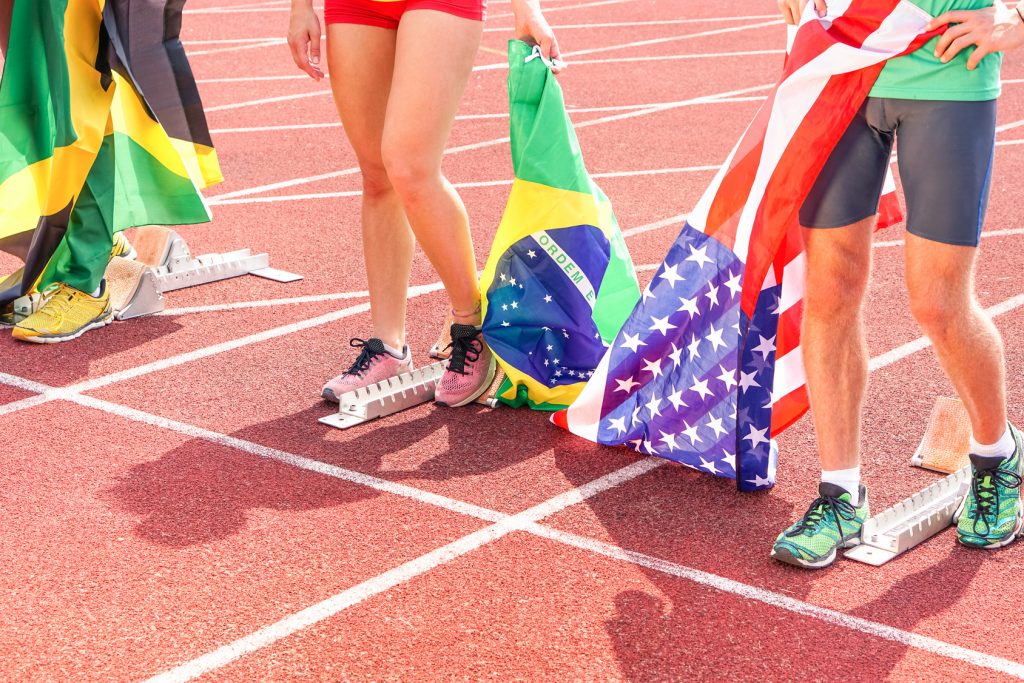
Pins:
<point x="172" y="509"/>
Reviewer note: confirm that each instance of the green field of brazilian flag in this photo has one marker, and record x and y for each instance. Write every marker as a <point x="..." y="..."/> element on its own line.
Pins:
<point x="559" y="282"/>
<point x="101" y="128"/>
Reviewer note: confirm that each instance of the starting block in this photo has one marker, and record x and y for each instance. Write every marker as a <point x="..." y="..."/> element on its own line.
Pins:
<point x="910" y="522"/>
<point x="396" y="394"/>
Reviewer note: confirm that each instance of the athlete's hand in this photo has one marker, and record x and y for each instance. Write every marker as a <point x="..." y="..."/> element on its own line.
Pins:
<point x="533" y="28"/>
<point x="304" y="39"/>
<point x="993" y="29"/>
<point x="792" y="10"/>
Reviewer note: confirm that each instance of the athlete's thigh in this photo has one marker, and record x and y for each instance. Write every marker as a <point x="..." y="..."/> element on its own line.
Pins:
<point x="945" y="155"/>
<point x="430" y="78"/>
<point x="361" y="60"/>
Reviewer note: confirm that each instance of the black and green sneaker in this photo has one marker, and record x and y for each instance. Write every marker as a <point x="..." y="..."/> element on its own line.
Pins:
<point x="992" y="514"/>
<point x="830" y="523"/>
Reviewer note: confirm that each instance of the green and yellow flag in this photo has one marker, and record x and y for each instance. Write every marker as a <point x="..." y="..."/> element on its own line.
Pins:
<point x="559" y="282"/>
<point x="101" y="129"/>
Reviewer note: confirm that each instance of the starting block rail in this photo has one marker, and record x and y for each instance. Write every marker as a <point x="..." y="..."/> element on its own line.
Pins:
<point x="911" y="521"/>
<point x="386" y="398"/>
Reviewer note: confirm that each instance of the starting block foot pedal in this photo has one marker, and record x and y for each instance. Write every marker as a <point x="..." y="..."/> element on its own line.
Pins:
<point x="490" y="397"/>
<point x="386" y="398"/>
<point x="134" y="291"/>
<point x="946" y="443"/>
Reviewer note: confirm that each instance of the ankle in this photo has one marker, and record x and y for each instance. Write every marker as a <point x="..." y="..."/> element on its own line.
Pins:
<point x="469" y="316"/>
<point x="1002" y="448"/>
<point x="848" y="479"/>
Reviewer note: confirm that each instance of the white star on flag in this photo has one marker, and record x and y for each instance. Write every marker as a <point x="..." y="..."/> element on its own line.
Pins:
<point x="701" y="387"/>
<point x="652" y="366"/>
<point x="512" y="281"/>
<point x="661" y="325"/>
<point x="676" y="355"/>
<point x="690" y="306"/>
<point x="505" y="323"/>
<point x="699" y="256"/>
<point x="692" y="348"/>
<point x="649" y="447"/>
<point x="728" y="377"/>
<point x="669" y="440"/>
<point x="747" y="380"/>
<point x="624" y="385"/>
<point x="756" y="436"/>
<point x="715" y="337"/>
<point x="531" y="254"/>
<point x="730" y="459"/>
<point x="652" y="406"/>
<point x="712" y="295"/>
<point x="547" y="298"/>
<point x="648" y="293"/>
<point x="766" y="346"/>
<point x="671" y="275"/>
<point x="691" y="433"/>
<point x="734" y="284"/>
<point x="759" y="481"/>
<point x="503" y="277"/>
<point x="715" y="425"/>
<point x="617" y="423"/>
<point x="515" y="305"/>
<point x="708" y="465"/>
<point x="676" y="399"/>
<point x="633" y="343"/>
<point x="504" y="307"/>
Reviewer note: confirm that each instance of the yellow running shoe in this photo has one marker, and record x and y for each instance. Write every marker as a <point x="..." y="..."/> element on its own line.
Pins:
<point x="122" y="247"/>
<point x="65" y="314"/>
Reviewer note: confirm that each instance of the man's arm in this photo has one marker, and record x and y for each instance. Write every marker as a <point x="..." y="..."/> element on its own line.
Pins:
<point x="994" y="29"/>
<point x="6" y="6"/>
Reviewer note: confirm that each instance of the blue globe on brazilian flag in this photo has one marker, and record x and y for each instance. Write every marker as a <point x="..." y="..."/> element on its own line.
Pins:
<point x="559" y="282"/>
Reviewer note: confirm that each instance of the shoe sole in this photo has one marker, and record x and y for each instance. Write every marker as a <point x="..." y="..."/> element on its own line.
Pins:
<point x="94" y="325"/>
<point x="783" y="555"/>
<point x="491" y="371"/>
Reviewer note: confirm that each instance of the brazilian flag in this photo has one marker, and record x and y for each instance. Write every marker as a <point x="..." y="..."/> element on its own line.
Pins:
<point x="101" y="129"/>
<point x="559" y="282"/>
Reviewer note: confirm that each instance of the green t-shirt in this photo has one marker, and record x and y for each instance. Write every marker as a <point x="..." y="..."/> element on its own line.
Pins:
<point x="921" y="76"/>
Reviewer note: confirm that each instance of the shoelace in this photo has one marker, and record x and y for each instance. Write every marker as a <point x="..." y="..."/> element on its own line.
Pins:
<point x="463" y="349"/>
<point x="985" y="487"/>
<point x="841" y="511"/>
<point x="366" y="356"/>
<point x="49" y="297"/>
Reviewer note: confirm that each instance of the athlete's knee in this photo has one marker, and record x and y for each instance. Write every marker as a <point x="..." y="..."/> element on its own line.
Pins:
<point x="410" y="171"/>
<point x="376" y="183"/>
<point x="939" y="309"/>
<point x="838" y="291"/>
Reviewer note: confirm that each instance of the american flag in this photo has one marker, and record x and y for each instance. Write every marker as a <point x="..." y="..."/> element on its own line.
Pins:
<point x="708" y="366"/>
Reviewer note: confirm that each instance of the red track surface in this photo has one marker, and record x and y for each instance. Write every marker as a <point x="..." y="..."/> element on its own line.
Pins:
<point x="190" y="501"/>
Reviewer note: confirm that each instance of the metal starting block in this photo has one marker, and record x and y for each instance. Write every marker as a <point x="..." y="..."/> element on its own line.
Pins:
<point x="396" y="394"/>
<point x="910" y="522"/>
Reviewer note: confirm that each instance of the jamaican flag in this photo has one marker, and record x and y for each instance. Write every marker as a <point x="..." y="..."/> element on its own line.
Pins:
<point x="559" y="282"/>
<point x="101" y="129"/>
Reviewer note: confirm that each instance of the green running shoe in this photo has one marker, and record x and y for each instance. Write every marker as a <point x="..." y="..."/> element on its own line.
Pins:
<point x="830" y="523"/>
<point x="992" y="514"/>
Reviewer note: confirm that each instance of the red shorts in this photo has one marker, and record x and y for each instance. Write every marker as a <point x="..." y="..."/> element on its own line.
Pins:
<point x="387" y="13"/>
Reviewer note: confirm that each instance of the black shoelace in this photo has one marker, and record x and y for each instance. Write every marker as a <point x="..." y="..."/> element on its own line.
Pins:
<point x="985" y="487"/>
<point x="370" y="350"/>
<point x="464" y="348"/>
<point x="841" y="511"/>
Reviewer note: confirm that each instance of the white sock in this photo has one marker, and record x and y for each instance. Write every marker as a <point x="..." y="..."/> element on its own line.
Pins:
<point x="400" y="355"/>
<point x="1003" y="448"/>
<point x="848" y="479"/>
<point x="97" y="292"/>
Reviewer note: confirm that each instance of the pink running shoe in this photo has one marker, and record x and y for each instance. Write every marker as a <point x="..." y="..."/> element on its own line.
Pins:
<point x="469" y="370"/>
<point x="374" y="364"/>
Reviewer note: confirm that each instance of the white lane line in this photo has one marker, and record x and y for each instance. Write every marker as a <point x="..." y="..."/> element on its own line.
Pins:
<point x="666" y="106"/>
<point x="778" y="600"/>
<point x="231" y="41"/>
<point x="921" y="343"/>
<point x="399" y="575"/>
<point x="290" y="301"/>
<point x="236" y="48"/>
<point x="660" y="22"/>
<point x="549" y="10"/>
<point x="504" y="65"/>
<point x="1009" y="126"/>
<point x="474" y="117"/>
<point x="469" y="185"/>
<point x="984" y="234"/>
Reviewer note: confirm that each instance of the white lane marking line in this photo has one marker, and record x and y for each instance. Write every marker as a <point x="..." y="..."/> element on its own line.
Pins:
<point x="399" y="575"/>
<point x="656" y="225"/>
<point x="921" y="343"/>
<point x="984" y="234"/>
<point x="231" y="41"/>
<point x="625" y="24"/>
<point x="469" y="185"/>
<point x="695" y="101"/>
<point x="475" y="117"/>
<point x="549" y="10"/>
<point x="1009" y="126"/>
<point x="780" y="601"/>
<point x="504" y="65"/>
<point x="236" y="48"/>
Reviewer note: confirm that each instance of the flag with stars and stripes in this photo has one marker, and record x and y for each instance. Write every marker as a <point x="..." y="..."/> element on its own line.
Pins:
<point x="708" y="366"/>
<point x="559" y="281"/>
